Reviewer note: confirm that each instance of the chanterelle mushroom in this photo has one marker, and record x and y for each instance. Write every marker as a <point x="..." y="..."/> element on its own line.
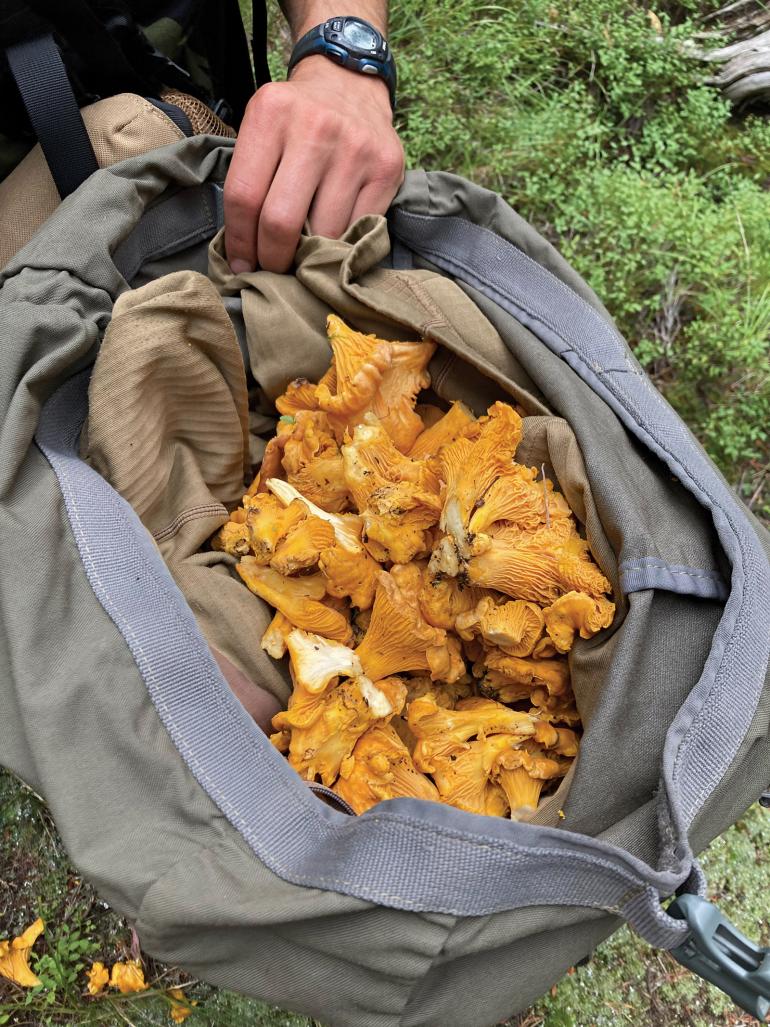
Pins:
<point x="517" y="565"/>
<point x="375" y="376"/>
<point x="443" y="600"/>
<point x="464" y="778"/>
<point x="313" y="462"/>
<point x="522" y="775"/>
<point x="553" y="674"/>
<point x="470" y="468"/>
<point x="576" y="612"/>
<point x="297" y="598"/>
<point x="380" y="767"/>
<point x="317" y="660"/>
<point x="321" y="740"/>
<point x="397" y="498"/>
<point x="302" y="547"/>
<point x="442" y="733"/>
<point x="448" y="428"/>
<point x="347" y="528"/>
<point x="513" y="627"/>
<point x="398" y="638"/>
<point x="274" y="639"/>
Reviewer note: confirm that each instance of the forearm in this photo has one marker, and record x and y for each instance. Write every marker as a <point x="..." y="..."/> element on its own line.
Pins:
<point x="303" y="15"/>
<point x="318" y="148"/>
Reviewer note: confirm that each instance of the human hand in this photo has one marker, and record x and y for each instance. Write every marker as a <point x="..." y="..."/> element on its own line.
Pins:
<point x="320" y="146"/>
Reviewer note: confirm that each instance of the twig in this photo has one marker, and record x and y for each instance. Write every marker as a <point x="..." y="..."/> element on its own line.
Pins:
<point x="758" y="490"/>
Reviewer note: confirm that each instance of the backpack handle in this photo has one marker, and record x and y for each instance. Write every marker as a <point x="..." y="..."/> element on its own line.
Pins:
<point x="717" y="951"/>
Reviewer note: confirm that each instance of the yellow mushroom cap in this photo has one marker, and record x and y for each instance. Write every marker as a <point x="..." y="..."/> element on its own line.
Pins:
<point x="445" y="695"/>
<point x="552" y="674"/>
<point x="398" y="498"/>
<point x="312" y="462"/>
<point x="324" y="730"/>
<point x="359" y="362"/>
<point x="267" y="522"/>
<point x="446" y="661"/>
<point x="441" y="732"/>
<point x="297" y="598"/>
<point x="299" y="395"/>
<point x="302" y="547"/>
<point x="371" y="461"/>
<point x="404" y="378"/>
<point x="470" y="468"/>
<point x="14" y="956"/>
<point x="443" y="600"/>
<point x="554" y="709"/>
<point x="349" y="574"/>
<point x="347" y="528"/>
<point x="397" y="522"/>
<point x="381" y="767"/>
<point x="576" y="612"/>
<point x="233" y="537"/>
<point x="538" y="567"/>
<point x="445" y="430"/>
<point x="398" y="637"/>
<point x="463" y="779"/>
<point x="514" y="627"/>
<point x="522" y="775"/>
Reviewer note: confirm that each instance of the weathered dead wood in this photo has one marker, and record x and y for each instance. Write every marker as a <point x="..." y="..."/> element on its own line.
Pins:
<point x="741" y="68"/>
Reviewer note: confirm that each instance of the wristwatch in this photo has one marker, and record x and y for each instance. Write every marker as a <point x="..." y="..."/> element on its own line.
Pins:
<point x="353" y="43"/>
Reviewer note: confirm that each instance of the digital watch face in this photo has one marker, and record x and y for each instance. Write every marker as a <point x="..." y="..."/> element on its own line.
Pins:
<point x="360" y="36"/>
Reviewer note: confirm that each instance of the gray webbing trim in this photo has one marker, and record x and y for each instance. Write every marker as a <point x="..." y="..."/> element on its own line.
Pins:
<point x="652" y="572"/>
<point x="406" y="853"/>
<point x="706" y="734"/>
<point x="174" y="223"/>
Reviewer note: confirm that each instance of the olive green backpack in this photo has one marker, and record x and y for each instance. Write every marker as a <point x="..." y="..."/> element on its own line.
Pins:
<point x="172" y="801"/>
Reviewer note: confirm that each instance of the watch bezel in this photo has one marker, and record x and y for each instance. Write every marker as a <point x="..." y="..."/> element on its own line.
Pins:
<point x="336" y="37"/>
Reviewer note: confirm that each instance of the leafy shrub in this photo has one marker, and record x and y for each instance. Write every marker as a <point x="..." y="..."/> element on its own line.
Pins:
<point x="593" y="119"/>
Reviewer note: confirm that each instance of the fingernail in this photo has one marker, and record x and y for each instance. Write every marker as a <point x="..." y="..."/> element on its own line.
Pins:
<point x="240" y="267"/>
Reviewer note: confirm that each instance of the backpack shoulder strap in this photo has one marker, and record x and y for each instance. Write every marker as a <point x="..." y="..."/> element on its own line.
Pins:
<point x="39" y="72"/>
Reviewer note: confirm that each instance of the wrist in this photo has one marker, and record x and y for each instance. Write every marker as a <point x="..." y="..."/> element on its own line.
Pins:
<point x="325" y="74"/>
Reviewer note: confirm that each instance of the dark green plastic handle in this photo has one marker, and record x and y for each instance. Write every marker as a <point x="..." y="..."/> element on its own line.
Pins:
<point x="718" y="952"/>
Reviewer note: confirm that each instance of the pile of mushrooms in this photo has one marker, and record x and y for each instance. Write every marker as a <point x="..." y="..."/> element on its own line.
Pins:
<point x="426" y="589"/>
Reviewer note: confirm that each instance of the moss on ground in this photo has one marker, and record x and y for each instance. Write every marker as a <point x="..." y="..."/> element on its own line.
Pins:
<point x="624" y="983"/>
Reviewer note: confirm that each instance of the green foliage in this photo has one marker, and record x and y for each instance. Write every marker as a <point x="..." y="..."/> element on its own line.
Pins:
<point x="596" y="124"/>
<point x="62" y="964"/>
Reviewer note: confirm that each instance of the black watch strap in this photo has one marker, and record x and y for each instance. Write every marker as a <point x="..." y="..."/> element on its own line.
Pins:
<point x="330" y="40"/>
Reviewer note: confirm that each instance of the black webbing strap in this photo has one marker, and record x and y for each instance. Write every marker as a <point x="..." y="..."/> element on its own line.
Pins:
<point x="45" y="89"/>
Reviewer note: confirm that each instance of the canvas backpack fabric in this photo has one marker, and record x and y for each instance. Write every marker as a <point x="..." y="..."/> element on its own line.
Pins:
<point x="118" y="127"/>
<point x="167" y="795"/>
